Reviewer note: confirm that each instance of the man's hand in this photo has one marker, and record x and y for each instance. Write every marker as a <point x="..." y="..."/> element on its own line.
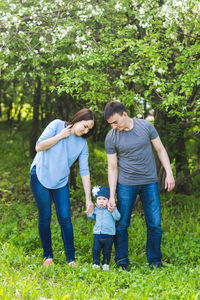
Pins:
<point x="169" y="182"/>
<point x="111" y="204"/>
<point x="89" y="207"/>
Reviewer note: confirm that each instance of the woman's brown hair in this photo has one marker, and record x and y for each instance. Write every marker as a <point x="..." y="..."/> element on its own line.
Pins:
<point x="83" y="115"/>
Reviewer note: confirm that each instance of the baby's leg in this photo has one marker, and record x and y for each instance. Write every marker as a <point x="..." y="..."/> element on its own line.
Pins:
<point x="107" y="249"/>
<point x="96" y="251"/>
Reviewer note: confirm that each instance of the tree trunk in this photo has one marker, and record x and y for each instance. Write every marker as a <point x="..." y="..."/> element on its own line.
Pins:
<point x="182" y="169"/>
<point x="35" y="121"/>
<point x="171" y="131"/>
<point x="65" y="106"/>
<point x="161" y="123"/>
<point x="73" y="174"/>
<point x="198" y="155"/>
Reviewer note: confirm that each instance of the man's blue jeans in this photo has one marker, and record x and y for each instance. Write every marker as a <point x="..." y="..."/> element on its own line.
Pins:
<point x="150" y="198"/>
<point x="43" y="198"/>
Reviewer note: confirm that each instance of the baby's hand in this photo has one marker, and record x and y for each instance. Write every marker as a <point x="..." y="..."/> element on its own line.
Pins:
<point x="111" y="208"/>
<point x="89" y="208"/>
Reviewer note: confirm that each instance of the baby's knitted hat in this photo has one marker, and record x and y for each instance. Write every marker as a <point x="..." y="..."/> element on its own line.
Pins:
<point x="103" y="191"/>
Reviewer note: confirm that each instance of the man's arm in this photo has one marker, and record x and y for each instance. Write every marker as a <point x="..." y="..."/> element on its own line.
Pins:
<point x="164" y="159"/>
<point x="87" y="189"/>
<point x="112" y="178"/>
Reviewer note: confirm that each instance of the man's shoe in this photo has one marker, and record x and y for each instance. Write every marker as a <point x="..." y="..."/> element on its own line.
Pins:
<point x="123" y="267"/>
<point x="156" y="266"/>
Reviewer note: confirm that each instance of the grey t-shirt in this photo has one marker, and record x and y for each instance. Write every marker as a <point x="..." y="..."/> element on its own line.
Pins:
<point x="136" y="161"/>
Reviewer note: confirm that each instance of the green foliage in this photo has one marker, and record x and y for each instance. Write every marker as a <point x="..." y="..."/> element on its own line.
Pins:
<point x="141" y="51"/>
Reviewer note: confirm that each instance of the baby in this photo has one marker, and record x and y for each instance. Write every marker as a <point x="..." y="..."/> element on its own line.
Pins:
<point x="104" y="228"/>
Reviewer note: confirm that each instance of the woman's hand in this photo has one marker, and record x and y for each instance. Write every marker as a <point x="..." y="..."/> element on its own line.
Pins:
<point x="65" y="132"/>
<point x="111" y="208"/>
<point x="89" y="207"/>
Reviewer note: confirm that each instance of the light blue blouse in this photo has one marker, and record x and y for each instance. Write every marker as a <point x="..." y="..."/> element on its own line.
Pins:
<point x="53" y="165"/>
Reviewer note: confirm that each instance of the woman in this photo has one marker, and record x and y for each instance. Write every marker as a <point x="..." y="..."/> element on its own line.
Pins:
<point x="59" y="146"/>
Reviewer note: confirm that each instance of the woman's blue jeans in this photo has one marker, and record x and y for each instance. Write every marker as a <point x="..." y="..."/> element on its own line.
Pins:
<point x="60" y="197"/>
<point x="150" y="198"/>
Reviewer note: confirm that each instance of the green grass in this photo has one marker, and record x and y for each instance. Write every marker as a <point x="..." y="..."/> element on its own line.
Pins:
<point x="22" y="275"/>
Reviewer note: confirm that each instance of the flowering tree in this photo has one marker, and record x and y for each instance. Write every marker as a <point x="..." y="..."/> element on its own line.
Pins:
<point x="145" y="53"/>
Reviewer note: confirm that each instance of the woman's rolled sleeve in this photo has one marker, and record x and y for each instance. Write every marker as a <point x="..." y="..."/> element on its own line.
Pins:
<point x="83" y="161"/>
<point x="50" y="131"/>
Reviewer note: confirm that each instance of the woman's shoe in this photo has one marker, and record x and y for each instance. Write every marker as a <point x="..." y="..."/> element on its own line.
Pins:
<point x="47" y="261"/>
<point x="72" y="264"/>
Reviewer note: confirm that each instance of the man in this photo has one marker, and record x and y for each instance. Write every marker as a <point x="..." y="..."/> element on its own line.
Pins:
<point x="129" y="150"/>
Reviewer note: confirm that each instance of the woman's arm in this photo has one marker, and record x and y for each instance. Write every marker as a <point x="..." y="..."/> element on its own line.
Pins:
<point x="46" y="144"/>
<point x="87" y="189"/>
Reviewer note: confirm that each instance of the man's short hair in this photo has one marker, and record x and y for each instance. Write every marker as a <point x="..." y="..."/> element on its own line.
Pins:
<point x="112" y="108"/>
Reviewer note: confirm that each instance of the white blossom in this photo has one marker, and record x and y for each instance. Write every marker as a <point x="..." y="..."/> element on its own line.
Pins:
<point x="161" y="71"/>
<point x="129" y="26"/>
<point x="41" y="39"/>
<point x="71" y="57"/>
<point x="12" y="6"/>
<point x="15" y="19"/>
<point x="156" y="82"/>
<point x="20" y="33"/>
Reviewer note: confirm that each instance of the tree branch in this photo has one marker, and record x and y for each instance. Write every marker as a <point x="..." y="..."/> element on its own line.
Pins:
<point x="181" y="180"/>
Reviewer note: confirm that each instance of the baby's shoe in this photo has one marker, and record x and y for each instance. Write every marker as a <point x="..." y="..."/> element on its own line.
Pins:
<point x="47" y="261"/>
<point x="105" y="267"/>
<point x="96" y="267"/>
